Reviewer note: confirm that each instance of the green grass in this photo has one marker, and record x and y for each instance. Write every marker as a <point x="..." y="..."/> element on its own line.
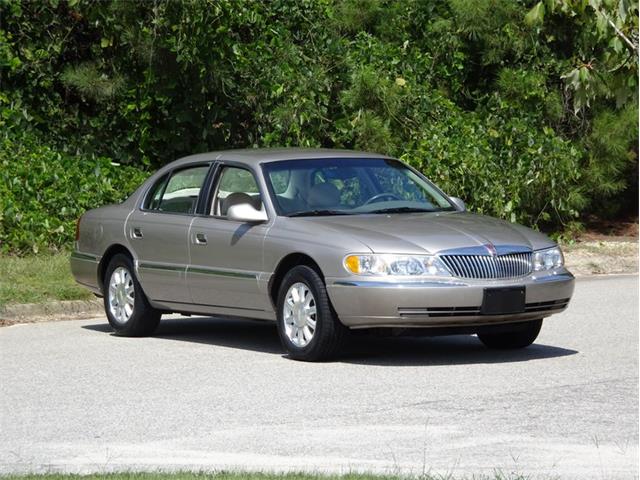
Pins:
<point x="253" y="476"/>
<point x="38" y="279"/>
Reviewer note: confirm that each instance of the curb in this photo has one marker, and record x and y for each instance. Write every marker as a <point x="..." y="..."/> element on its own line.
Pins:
<point x="48" y="311"/>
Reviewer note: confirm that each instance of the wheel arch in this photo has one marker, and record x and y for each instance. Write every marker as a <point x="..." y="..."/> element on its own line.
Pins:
<point x="112" y="251"/>
<point x="287" y="263"/>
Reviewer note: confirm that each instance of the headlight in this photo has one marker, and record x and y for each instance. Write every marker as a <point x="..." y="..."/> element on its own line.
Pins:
<point x="547" y="259"/>
<point x="401" y="265"/>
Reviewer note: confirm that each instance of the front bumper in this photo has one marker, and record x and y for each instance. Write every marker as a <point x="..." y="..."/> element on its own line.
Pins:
<point x="442" y="303"/>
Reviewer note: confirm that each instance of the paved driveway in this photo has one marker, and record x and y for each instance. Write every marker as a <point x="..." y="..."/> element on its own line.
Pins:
<point x="211" y="393"/>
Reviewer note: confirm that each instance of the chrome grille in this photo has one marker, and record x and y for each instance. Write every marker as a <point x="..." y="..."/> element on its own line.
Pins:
<point x="485" y="266"/>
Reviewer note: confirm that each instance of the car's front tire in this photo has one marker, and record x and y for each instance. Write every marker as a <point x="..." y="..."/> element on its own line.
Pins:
<point x="308" y="326"/>
<point x="125" y="304"/>
<point x="522" y="335"/>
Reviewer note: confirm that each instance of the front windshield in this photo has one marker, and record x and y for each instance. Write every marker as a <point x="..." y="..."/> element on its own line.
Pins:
<point x="335" y="186"/>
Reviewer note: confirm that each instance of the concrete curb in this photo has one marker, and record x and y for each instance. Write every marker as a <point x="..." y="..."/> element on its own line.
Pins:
<point x="50" y="311"/>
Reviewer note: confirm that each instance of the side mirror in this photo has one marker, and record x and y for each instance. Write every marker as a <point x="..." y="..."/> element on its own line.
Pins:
<point x="459" y="203"/>
<point x="245" y="213"/>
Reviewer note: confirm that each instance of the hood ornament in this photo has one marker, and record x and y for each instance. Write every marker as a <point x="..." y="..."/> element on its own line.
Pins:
<point x="491" y="249"/>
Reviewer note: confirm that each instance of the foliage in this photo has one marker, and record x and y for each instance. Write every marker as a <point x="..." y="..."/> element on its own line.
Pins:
<point x="604" y="52"/>
<point x="611" y="136"/>
<point x="483" y="95"/>
<point x="531" y="178"/>
<point x="43" y="192"/>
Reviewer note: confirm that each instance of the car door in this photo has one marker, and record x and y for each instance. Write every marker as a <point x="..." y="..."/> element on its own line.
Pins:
<point x="159" y="233"/>
<point x="226" y="255"/>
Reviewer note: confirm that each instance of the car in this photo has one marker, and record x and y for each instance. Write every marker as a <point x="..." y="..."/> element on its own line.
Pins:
<point x="325" y="243"/>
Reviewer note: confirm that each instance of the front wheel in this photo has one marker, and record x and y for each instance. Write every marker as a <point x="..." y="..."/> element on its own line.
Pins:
<point x="522" y="335"/>
<point x="309" y="328"/>
<point x="125" y="304"/>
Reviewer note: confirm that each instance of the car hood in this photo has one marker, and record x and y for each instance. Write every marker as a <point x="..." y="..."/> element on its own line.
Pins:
<point x="432" y="232"/>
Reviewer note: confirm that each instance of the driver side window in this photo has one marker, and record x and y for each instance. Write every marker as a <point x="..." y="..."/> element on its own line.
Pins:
<point x="235" y="186"/>
<point x="398" y="183"/>
<point x="352" y="190"/>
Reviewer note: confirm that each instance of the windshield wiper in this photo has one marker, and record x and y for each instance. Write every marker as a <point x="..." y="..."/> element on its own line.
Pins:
<point x="402" y="210"/>
<point x="317" y="213"/>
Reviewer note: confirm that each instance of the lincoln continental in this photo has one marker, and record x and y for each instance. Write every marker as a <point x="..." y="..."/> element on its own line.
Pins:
<point x="325" y="243"/>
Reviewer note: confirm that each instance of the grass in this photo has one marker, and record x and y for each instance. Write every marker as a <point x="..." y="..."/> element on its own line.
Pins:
<point x="250" y="476"/>
<point x="38" y="279"/>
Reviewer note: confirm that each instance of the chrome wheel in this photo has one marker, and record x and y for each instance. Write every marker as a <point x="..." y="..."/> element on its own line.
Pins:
<point x="299" y="314"/>
<point x="121" y="295"/>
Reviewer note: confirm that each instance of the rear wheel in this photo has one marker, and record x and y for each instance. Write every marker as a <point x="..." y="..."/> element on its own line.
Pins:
<point x="125" y="304"/>
<point x="309" y="329"/>
<point x="521" y="336"/>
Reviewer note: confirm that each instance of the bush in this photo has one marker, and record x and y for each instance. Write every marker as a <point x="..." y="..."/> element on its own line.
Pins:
<point x="505" y="168"/>
<point x="43" y="192"/>
<point x="490" y="98"/>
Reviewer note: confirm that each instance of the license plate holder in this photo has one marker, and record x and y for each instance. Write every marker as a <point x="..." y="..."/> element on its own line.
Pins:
<point x="503" y="300"/>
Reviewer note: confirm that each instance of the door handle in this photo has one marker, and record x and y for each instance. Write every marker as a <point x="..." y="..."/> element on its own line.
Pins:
<point x="201" y="239"/>
<point x="137" y="232"/>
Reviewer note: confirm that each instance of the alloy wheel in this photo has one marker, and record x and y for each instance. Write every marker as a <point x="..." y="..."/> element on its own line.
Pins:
<point x="300" y="314"/>
<point x="121" y="295"/>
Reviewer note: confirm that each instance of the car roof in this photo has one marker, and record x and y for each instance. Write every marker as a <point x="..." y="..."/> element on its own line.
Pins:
<point x="255" y="156"/>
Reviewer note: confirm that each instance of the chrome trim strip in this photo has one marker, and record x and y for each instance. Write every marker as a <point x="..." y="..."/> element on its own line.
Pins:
<point x="482" y="250"/>
<point x="221" y="273"/>
<point x="150" y="266"/>
<point x="84" y="256"/>
<point x="420" y="284"/>
<point x="201" y="271"/>
<point x="561" y="277"/>
<point x="173" y="302"/>
<point x="473" y="311"/>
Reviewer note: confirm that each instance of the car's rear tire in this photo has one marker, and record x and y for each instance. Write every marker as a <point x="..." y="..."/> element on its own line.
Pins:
<point x="522" y="335"/>
<point x="127" y="308"/>
<point x="308" y="326"/>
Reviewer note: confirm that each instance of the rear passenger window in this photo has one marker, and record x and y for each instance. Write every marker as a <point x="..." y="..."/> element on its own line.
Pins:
<point x="180" y="193"/>
<point x="155" y="194"/>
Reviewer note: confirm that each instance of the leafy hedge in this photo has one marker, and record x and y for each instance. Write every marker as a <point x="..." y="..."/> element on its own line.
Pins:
<point x="509" y="169"/>
<point x="43" y="192"/>
<point x="527" y="110"/>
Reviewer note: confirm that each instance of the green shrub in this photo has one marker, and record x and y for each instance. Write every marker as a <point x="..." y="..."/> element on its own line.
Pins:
<point x="502" y="167"/>
<point x="490" y="98"/>
<point x="612" y="163"/>
<point x="43" y="192"/>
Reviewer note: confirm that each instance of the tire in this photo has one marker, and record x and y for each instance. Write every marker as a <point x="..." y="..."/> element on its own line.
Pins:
<point x="327" y="335"/>
<point x="521" y="336"/>
<point x="129" y="316"/>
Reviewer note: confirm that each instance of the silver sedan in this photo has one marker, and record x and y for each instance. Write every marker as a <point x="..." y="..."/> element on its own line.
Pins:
<point x="324" y="243"/>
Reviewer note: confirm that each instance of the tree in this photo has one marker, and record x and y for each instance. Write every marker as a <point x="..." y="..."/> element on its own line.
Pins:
<point x="603" y="49"/>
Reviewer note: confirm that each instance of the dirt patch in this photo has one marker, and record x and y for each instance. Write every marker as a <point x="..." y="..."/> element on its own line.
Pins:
<point x="610" y="231"/>
<point x="609" y="255"/>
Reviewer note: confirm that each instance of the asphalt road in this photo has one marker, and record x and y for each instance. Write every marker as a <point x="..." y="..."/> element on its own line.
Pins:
<point x="212" y="394"/>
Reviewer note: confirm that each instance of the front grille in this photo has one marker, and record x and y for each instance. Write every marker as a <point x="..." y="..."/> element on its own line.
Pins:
<point x="485" y="266"/>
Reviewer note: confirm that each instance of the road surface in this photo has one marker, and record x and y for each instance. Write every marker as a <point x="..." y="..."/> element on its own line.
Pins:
<point x="207" y="394"/>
